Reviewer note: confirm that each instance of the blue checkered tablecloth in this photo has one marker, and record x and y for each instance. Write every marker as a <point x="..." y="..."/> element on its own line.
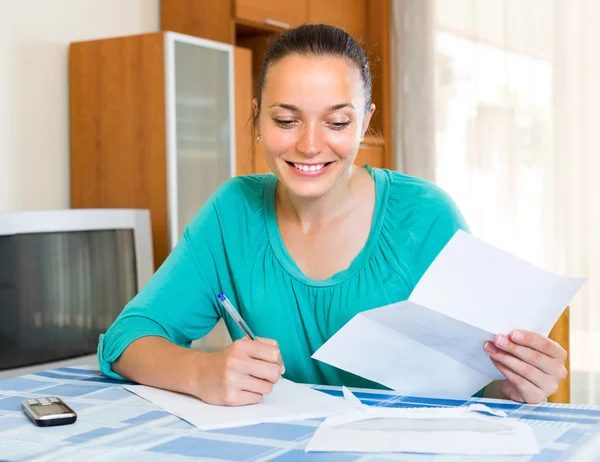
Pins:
<point x="116" y="425"/>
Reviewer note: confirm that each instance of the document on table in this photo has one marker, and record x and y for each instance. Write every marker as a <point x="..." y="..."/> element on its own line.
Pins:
<point x="432" y="344"/>
<point x="287" y="402"/>
<point x="460" y="430"/>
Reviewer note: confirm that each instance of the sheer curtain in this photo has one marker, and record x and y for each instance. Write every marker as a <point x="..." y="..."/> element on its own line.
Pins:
<point x="498" y="102"/>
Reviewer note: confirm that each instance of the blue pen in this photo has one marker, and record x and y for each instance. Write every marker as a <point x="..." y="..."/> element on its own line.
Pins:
<point x="236" y="316"/>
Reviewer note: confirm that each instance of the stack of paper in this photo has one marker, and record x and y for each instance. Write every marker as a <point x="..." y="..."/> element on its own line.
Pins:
<point x="432" y="344"/>
<point x="288" y="401"/>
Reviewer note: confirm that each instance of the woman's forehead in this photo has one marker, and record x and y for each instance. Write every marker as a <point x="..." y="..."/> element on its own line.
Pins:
<point x="299" y="77"/>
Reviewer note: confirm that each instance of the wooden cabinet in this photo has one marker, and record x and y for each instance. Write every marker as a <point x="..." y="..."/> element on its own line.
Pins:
<point x="152" y="126"/>
<point x="279" y="13"/>
<point x="371" y="152"/>
<point x="350" y="15"/>
<point x="207" y="19"/>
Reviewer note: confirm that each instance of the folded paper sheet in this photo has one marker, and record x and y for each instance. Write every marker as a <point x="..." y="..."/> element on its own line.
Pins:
<point x="423" y="430"/>
<point x="432" y="344"/>
<point x="289" y="401"/>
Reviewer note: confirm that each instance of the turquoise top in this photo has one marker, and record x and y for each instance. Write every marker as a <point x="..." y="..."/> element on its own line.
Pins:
<point x="233" y="246"/>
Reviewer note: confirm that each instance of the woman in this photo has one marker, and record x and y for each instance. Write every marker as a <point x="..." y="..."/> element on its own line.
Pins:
<point x="300" y="252"/>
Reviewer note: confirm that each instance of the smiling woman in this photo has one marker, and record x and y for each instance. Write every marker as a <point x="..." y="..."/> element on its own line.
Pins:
<point x="300" y="251"/>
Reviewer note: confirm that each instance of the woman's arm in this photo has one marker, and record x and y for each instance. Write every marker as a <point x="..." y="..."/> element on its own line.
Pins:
<point x="142" y="359"/>
<point x="237" y="375"/>
<point x="149" y="341"/>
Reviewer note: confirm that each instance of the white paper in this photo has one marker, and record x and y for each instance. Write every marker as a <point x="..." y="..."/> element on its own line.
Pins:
<point x="288" y="401"/>
<point x="432" y="344"/>
<point x="423" y="430"/>
<point x="481" y="285"/>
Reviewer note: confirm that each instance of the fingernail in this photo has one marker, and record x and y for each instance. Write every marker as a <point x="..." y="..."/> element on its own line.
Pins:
<point x="490" y="348"/>
<point x="517" y="336"/>
<point x="501" y="341"/>
<point x="282" y="370"/>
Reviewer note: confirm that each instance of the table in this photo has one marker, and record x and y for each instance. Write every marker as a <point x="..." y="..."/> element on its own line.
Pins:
<point x="116" y="425"/>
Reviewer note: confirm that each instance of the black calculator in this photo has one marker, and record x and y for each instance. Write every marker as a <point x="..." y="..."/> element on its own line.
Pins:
<point x="48" y="412"/>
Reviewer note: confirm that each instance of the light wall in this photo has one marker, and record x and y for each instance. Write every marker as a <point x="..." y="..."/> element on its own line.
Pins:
<point x="34" y="99"/>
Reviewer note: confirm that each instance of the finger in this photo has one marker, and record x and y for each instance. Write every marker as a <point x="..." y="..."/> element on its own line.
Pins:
<point x="254" y="385"/>
<point x="524" y="370"/>
<point x="526" y="391"/>
<point x="541" y="361"/>
<point x="260" y="350"/>
<point x="539" y="343"/>
<point x="265" y="352"/>
<point x="240" y="398"/>
<point x="261" y="370"/>
<point x="509" y="391"/>
<point x="268" y="341"/>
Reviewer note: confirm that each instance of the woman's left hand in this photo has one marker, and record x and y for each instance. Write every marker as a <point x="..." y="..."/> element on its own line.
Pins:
<point x="533" y="365"/>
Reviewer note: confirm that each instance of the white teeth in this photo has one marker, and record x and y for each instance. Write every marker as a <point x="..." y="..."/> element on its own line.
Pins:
<point x="309" y="168"/>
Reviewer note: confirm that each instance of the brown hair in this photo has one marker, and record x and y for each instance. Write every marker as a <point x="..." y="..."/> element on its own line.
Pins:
<point x="315" y="40"/>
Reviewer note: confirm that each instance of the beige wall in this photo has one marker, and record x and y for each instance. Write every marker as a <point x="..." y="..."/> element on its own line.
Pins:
<point x="34" y="113"/>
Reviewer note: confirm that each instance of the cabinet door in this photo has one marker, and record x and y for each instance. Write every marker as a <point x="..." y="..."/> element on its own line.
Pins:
<point x="350" y="15"/>
<point x="200" y="142"/>
<point x="242" y="58"/>
<point x="283" y="13"/>
<point x="371" y="154"/>
<point x="210" y="19"/>
<point x="260" y="164"/>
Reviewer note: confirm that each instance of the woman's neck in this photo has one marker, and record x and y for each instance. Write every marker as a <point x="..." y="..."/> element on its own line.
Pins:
<point x="309" y="213"/>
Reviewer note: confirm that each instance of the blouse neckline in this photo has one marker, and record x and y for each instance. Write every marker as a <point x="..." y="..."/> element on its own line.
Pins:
<point x="288" y="263"/>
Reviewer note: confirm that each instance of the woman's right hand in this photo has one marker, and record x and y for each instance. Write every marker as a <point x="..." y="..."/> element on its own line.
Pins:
<point x="239" y="374"/>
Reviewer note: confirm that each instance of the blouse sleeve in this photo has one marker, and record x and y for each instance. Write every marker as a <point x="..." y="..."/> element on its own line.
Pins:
<point x="179" y="302"/>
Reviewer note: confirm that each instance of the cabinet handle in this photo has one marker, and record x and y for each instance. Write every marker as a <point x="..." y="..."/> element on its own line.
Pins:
<point x="273" y="22"/>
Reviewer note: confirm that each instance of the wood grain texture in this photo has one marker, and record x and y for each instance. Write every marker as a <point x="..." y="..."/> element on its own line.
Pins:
<point x="290" y="12"/>
<point x="210" y="19"/>
<point x="378" y="46"/>
<point x="561" y="334"/>
<point x="117" y="128"/>
<point x="350" y="15"/>
<point x="242" y="64"/>
<point x="259" y="44"/>
<point x="371" y="152"/>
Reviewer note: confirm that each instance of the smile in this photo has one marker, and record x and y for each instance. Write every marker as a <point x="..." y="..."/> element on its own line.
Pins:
<point x="309" y="168"/>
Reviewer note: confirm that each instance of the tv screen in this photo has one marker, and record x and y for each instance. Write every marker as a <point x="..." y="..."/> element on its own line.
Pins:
<point x="60" y="290"/>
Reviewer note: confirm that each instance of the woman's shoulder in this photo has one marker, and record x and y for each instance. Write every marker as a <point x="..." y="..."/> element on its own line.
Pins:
<point x="241" y="189"/>
<point x="414" y="191"/>
<point x="235" y="205"/>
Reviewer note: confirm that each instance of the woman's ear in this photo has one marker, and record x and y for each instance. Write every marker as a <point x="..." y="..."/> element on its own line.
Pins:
<point x="255" y="115"/>
<point x="368" y="119"/>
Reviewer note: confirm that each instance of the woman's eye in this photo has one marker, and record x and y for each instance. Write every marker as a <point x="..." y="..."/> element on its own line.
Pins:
<point x="339" y="125"/>
<point x="285" y="123"/>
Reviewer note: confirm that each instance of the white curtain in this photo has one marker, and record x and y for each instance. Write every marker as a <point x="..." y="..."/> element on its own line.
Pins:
<point x="498" y="102"/>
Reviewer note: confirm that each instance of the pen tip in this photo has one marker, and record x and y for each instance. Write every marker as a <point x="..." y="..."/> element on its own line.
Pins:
<point x="221" y="296"/>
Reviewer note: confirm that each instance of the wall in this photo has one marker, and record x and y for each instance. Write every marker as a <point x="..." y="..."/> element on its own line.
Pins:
<point x="34" y="100"/>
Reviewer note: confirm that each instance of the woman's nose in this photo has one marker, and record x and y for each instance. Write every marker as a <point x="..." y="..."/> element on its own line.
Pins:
<point x="309" y="143"/>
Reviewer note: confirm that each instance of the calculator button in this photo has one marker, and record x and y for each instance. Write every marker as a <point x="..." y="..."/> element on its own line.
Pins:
<point x="44" y="401"/>
<point x="53" y="400"/>
<point x="32" y="401"/>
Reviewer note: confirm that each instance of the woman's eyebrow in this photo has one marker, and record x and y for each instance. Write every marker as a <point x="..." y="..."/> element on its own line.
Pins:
<point x="336" y="107"/>
<point x="291" y="107"/>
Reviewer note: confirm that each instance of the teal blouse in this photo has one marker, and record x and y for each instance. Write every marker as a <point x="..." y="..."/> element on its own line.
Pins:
<point x="233" y="246"/>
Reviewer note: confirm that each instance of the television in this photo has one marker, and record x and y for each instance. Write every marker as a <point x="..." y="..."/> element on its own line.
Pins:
<point x="65" y="275"/>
